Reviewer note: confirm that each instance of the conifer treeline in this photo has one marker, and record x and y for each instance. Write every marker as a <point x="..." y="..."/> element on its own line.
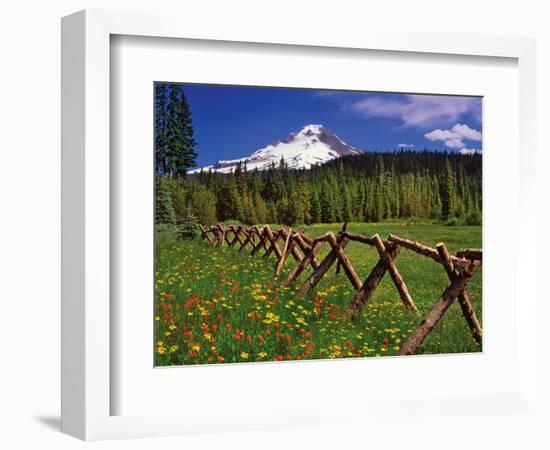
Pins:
<point x="365" y="188"/>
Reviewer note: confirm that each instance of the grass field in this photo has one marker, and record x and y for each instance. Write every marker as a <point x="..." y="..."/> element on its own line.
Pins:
<point x="219" y="305"/>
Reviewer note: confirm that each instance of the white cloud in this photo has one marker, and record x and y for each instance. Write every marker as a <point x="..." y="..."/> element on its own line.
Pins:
<point x="405" y="145"/>
<point x="419" y="110"/>
<point x="466" y="132"/>
<point x="454" y="138"/>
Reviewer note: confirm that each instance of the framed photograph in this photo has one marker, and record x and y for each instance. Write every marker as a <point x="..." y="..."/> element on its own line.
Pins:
<point x="255" y="222"/>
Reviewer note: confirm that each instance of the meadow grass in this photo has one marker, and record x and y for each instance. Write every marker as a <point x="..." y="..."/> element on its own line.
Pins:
<point x="219" y="305"/>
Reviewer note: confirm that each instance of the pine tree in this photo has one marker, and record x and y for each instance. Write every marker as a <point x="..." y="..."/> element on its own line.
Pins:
<point x="164" y="208"/>
<point x="161" y="128"/>
<point x="448" y="192"/>
<point x="188" y="226"/>
<point x="327" y="207"/>
<point x="181" y="143"/>
<point x="315" y="207"/>
<point x="260" y="208"/>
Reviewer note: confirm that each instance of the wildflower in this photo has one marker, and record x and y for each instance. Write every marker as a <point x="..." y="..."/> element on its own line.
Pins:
<point x="260" y="338"/>
<point x="228" y="326"/>
<point x="262" y="355"/>
<point x="244" y="355"/>
<point x="220" y="359"/>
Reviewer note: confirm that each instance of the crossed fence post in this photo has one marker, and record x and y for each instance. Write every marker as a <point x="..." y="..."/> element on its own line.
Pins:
<point x="459" y="269"/>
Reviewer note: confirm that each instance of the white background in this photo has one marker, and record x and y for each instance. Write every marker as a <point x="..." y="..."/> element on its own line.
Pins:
<point x="141" y="389"/>
<point x="30" y="75"/>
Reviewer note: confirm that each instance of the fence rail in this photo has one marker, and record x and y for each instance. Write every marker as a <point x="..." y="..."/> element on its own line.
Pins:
<point x="460" y="268"/>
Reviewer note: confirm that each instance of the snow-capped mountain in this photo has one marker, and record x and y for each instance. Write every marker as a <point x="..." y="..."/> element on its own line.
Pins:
<point x="313" y="144"/>
<point x="470" y="151"/>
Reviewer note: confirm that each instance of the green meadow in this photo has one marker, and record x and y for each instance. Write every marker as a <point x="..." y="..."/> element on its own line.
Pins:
<point x="221" y="305"/>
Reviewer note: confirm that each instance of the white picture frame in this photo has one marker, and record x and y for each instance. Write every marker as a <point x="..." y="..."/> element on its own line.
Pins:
<point x="86" y="284"/>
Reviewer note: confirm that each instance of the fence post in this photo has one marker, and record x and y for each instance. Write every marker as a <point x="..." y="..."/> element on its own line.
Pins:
<point x="435" y="314"/>
<point x="463" y="298"/>
<point x="394" y="273"/>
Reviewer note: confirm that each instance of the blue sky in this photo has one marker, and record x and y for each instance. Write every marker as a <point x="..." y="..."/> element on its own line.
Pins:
<point x="233" y="121"/>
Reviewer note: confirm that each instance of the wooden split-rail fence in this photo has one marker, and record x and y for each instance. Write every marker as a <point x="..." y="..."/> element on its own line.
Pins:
<point x="459" y="268"/>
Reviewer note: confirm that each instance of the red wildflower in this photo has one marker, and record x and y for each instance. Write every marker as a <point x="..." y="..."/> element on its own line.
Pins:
<point x="260" y="338"/>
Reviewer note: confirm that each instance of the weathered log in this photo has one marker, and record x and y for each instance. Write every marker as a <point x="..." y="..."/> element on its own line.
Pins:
<point x="284" y="255"/>
<point x="235" y="235"/>
<point x="359" y="238"/>
<point x="222" y="228"/>
<point x="343" y="230"/>
<point x="300" y="267"/>
<point x="394" y="273"/>
<point x="299" y="238"/>
<point x="363" y="295"/>
<point x="238" y="230"/>
<point x="425" y="250"/>
<point x="306" y="239"/>
<point x="470" y="253"/>
<point x="435" y="314"/>
<point x="258" y="246"/>
<point x="463" y="298"/>
<point x="273" y="241"/>
<point x="217" y="232"/>
<point x="205" y="232"/>
<point x="345" y="262"/>
<point x="294" y="249"/>
<point x="325" y="265"/>
<point x="247" y="240"/>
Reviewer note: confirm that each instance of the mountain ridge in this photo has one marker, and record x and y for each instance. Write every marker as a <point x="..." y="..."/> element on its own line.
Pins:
<point x="313" y="144"/>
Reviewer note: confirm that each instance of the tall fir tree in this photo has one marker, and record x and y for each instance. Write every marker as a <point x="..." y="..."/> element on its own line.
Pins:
<point x="161" y="128"/>
<point x="315" y="207"/>
<point x="178" y="154"/>
<point x="448" y="192"/>
<point x="164" y="207"/>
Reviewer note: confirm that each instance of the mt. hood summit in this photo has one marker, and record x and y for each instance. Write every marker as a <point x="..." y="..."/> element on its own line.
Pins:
<point x="313" y="144"/>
